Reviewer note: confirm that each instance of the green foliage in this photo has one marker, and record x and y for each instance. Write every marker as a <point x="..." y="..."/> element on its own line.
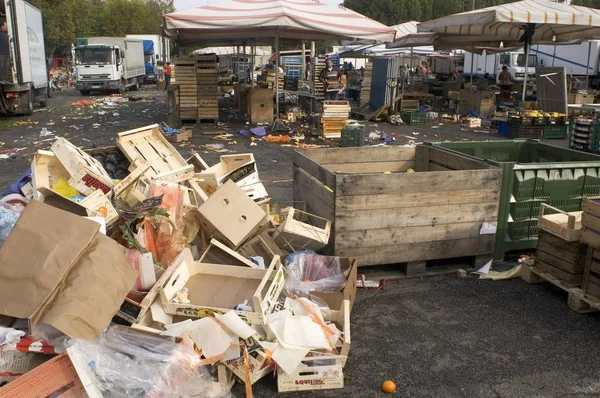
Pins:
<point x="66" y="20"/>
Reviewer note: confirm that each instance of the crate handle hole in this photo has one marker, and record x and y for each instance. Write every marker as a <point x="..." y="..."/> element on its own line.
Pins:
<point x="308" y="373"/>
<point x="226" y="201"/>
<point x="175" y="280"/>
<point x="243" y="218"/>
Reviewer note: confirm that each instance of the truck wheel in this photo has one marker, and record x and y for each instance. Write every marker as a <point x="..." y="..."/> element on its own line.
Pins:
<point x="50" y="92"/>
<point x="27" y="101"/>
<point x="135" y="87"/>
<point x="85" y="92"/>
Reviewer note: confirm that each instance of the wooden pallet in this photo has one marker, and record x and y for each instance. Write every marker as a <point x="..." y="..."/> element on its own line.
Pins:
<point x="577" y="300"/>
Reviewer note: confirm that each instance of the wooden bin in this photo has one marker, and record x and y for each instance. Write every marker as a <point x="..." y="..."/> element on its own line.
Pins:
<point x="260" y="105"/>
<point x="383" y="215"/>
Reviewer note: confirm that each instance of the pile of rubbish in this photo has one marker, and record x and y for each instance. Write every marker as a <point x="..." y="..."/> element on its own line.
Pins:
<point x="128" y="271"/>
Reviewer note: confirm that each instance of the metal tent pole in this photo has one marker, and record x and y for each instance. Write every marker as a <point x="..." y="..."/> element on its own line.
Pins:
<point x="276" y="76"/>
<point x="303" y="77"/>
<point x="472" y="59"/>
<point x="587" y="66"/>
<point x="525" y="74"/>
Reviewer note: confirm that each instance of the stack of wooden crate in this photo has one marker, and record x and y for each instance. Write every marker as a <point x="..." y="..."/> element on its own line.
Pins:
<point x="188" y="95"/>
<point x="207" y="74"/>
<point x="590" y="235"/>
<point x="317" y="65"/>
<point x="271" y="76"/>
<point x="365" y="87"/>
<point x="334" y="118"/>
<point x="559" y="252"/>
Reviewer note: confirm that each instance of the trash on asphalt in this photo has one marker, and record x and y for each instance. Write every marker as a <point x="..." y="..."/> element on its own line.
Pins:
<point x="154" y="275"/>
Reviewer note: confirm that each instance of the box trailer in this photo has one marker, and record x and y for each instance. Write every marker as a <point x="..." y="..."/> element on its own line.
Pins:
<point x="27" y="79"/>
<point x="109" y="64"/>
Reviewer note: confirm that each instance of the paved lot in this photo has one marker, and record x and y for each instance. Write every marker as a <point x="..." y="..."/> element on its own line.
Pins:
<point x="435" y="337"/>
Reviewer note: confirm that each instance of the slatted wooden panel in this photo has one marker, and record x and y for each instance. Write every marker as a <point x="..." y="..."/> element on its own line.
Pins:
<point x="207" y="74"/>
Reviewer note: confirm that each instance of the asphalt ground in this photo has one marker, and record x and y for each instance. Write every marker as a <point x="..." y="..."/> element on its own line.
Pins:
<point x="439" y="336"/>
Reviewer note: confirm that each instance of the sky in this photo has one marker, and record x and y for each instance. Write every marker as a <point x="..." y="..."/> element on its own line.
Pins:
<point x="181" y="5"/>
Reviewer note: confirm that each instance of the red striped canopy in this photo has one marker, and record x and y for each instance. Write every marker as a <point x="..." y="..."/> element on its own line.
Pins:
<point x="245" y="20"/>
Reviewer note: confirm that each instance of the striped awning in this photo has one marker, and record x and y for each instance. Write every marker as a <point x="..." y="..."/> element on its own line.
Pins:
<point x="407" y="35"/>
<point x="554" y="22"/>
<point x="246" y="20"/>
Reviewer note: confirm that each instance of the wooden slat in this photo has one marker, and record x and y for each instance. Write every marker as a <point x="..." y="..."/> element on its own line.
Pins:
<point x="398" y="236"/>
<point x="563" y="255"/>
<point x="390" y="254"/>
<point x="557" y="272"/>
<point x="440" y="182"/>
<point x="314" y="169"/>
<point x="415" y="200"/>
<point x="560" y="263"/>
<point x="562" y="245"/>
<point x="422" y="158"/>
<point x="319" y="199"/>
<point x="360" y="155"/>
<point x="429" y="215"/>
<point x="455" y="161"/>
<point x="371" y="167"/>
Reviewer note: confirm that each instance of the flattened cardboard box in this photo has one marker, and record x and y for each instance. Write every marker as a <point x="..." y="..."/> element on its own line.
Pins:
<point x="75" y="279"/>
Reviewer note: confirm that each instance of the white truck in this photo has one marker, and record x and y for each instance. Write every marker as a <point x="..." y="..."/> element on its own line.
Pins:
<point x="108" y="64"/>
<point x="27" y="75"/>
<point x="157" y="50"/>
<point x="493" y="63"/>
<point x="574" y="57"/>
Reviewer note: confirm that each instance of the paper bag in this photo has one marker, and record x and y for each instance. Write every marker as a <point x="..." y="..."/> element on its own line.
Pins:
<point x="58" y="269"/>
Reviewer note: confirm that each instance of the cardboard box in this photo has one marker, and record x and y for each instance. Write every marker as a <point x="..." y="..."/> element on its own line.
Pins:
<point x="87" y="174"/>
<point x="259" y="363"/>
<point x="348" y="292"/>
<point x="230" y="215"/>
<point x="218" y="253"/>
<point x="76" y="278"/>
<point x="580" y="98"/>
<point x="215" y="288"/>
<point x="239" y="168"/>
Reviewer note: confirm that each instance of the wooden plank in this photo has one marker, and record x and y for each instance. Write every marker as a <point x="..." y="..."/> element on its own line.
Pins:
<point x="557" y="262"/>
<point x="422" y="158"/>
<point x="301" y="160"/>
<point x="391" y="254"/>
<point x="560" y="254"/>
<point x="412" y="200"/>
<point x="430" y="215"/>
<point x="455" y="161"/>
<point x="359" y="154"/>
<point x="319" y="199"/>
<point x="437" y="167"/>
<point x="396" y="236"/>
<point x="356" y="184"/>
<point x="371" y="167"/>
<point x="561" y="244"/>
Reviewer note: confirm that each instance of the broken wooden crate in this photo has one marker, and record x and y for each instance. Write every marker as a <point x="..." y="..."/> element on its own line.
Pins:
<point x="302" y="231"/>
<point x="147" y="144"/>
<point x="383" y="215"/>
<point x="216" y="289"/>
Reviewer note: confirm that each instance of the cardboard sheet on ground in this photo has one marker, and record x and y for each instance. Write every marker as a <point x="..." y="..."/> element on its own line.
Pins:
<point x="498" y="276"/>
<point x="58" y="269"/>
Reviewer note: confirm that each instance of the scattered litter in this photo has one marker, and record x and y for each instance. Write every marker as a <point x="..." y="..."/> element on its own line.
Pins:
<point x="45" y="132"/>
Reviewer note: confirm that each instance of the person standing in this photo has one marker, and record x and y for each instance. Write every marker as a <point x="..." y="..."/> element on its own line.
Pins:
<point x="168" y="71"/>
<point x="504" y="79"/>
<point x="332" y="80"/>
<point x="4" y="51"/>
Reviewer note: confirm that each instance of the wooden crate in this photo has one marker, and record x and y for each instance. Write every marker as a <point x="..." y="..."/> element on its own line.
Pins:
<point x="151" y="148"/>
<point x="302" y="231"/>
<point x="591" y="275"/>
<point x="590" y="222"/>
<point x="560" y="258"/>
<point x="383" y="215"/>
<point x="564" y="225"/>
<point x="260" y="105"/>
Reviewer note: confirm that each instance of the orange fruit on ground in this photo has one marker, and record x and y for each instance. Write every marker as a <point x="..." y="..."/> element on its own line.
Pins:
<point x="388" y="387"/>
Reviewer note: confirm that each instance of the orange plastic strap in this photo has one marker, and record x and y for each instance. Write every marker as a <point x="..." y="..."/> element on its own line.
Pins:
<point x="330" y="334"/>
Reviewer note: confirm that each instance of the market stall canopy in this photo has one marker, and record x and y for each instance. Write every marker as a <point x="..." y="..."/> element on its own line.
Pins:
<point x="258" y="51"/>
<point x="242" y="20"/>
<point x="508" y="23"/>
<point x="407" y="35"/>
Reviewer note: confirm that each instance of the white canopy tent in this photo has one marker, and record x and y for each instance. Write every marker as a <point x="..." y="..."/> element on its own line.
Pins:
<point x="524" y="22"/>
<point x="265" y="21"/>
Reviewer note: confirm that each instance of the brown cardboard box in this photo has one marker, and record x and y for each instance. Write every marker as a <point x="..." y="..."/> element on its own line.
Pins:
<point x="580" y="98"/>
<point x="76" y="278"/>
<point x="336" y="299"/>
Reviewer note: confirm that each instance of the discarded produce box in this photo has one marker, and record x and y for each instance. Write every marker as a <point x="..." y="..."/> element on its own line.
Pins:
<point x="216" y="289"/>
<point x="302" y="231"/>
<point x="99" y="203"/>
<point x="86" y="173"/>
<point x="261" y="245"/>
<point x="565" y="225"/>
<point x="230" y="215"/>
<point x="241" y="169"/>
<point x="383" y="213"/>
<point x="218" y="253"/>
<point x="149" y="144"/>
<point x="590" y="221"/>
<point x="321" y="371"/>
<point x="57" y="285"/>
<point x="349" y="268"/>
<point x="562" y="259"/>
<point x="260" y="364"/>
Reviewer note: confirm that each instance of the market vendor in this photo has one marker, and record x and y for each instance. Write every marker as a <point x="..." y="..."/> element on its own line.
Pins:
<point x="504" y="79"/>
<point x="332" y="80"/>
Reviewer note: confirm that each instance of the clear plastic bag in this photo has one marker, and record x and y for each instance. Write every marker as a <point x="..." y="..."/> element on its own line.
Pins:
<point x="307" y="271"/>
<point x="128" y="363"/>
<point x="8" y="219"/>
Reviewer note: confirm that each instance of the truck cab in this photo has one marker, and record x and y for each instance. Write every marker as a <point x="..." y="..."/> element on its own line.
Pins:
<point x="515" y="61"/>
<point x="98" y="67"/>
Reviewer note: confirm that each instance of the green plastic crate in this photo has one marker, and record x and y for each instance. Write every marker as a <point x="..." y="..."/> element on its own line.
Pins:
<point x="555" y="131"/>
<point x="533" y="173"/>
<point x="353" y="135"/>
<point x="413" y="117"/>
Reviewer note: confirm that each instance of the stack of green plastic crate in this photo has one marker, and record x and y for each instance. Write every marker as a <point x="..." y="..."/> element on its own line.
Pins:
<point x="533" y="173"/>
<point x="413" y="117"/>
<point x="353" y="135"/>
<point x="585" y="135"/>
